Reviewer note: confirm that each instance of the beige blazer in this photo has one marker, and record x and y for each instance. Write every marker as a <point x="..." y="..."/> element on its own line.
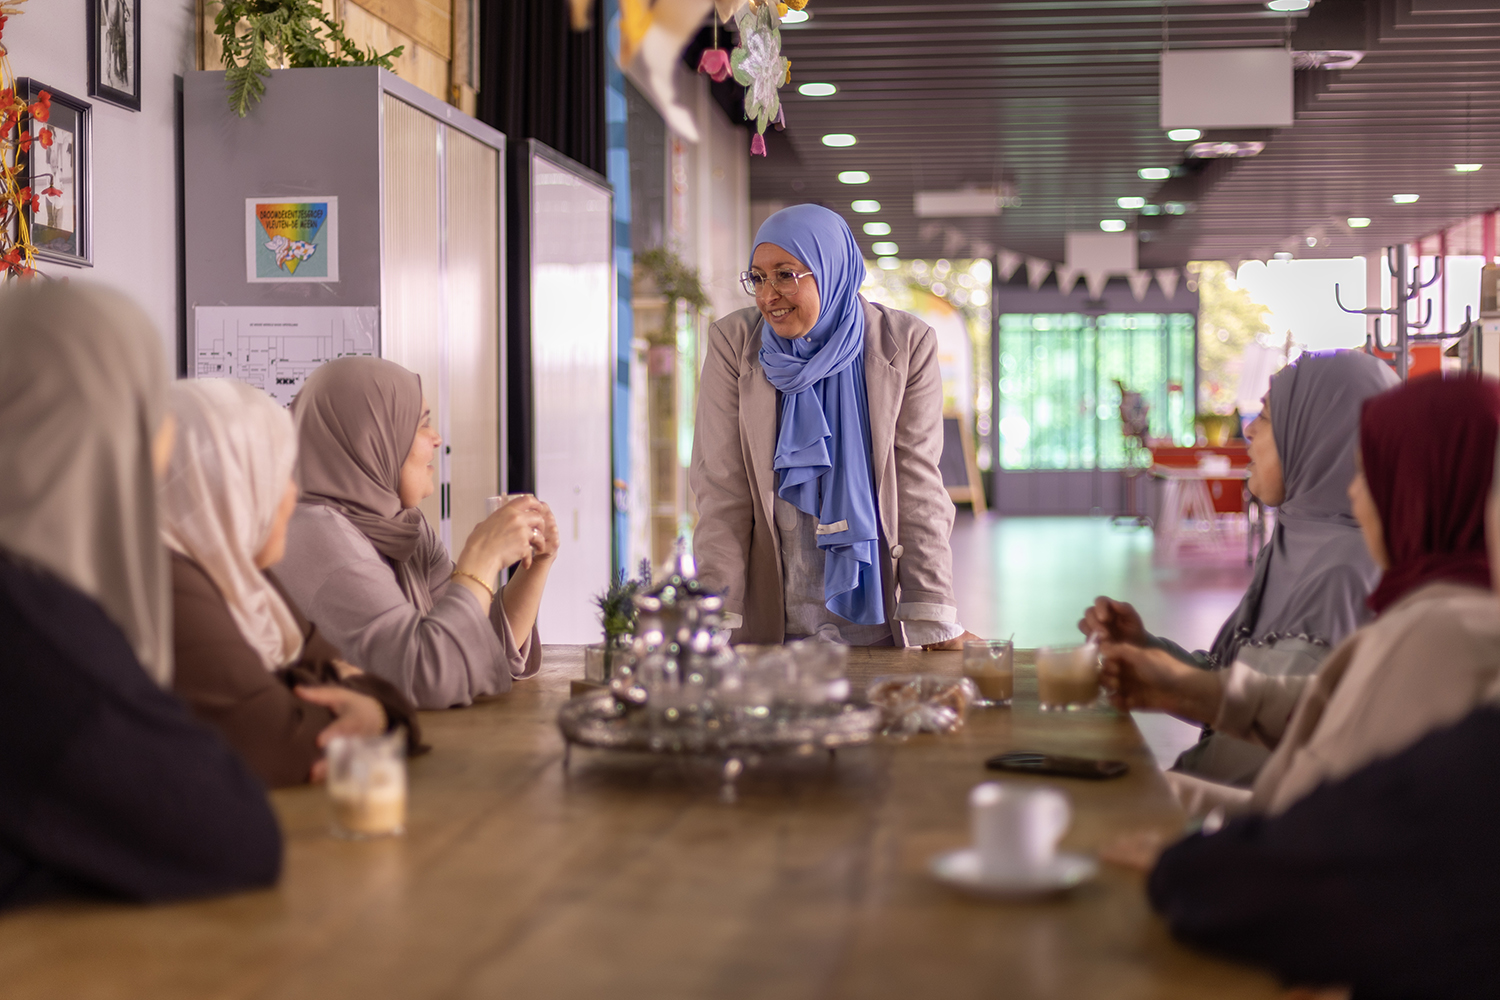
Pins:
<point x="1425" y="663"/>
<point x="737" y="546"/>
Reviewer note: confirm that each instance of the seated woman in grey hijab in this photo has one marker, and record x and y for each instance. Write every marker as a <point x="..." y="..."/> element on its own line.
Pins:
<point x="108" y="786"/>
<point x="1313" y="575"/>
<point x="363" y="562"/>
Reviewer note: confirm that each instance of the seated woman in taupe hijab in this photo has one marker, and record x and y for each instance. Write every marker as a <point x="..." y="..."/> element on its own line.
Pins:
<point x="248" y="663"/>
<point x="365" y="565"/>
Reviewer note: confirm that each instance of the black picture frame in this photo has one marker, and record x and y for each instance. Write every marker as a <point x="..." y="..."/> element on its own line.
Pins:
<point x="115" y="52"/>
<point x="62" y="226"/>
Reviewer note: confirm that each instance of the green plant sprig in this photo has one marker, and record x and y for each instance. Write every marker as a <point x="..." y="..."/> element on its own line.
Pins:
<point x="291" y="30"/>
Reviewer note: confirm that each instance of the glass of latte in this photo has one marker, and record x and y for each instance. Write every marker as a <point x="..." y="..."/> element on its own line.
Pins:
<point x="367" y="785"/>
<point x="1067" y="677"/>
<point x="991" y="665"/>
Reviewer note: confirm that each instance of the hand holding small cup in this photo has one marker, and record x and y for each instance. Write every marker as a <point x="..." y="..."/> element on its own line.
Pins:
<point x="1113" y="621"/>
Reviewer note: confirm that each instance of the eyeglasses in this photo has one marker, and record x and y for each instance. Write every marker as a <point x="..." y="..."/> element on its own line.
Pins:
<point x="783" y="281"/>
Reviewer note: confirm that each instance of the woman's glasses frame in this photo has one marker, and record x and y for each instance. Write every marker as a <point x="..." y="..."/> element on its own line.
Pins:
<point x="753" y="281"/>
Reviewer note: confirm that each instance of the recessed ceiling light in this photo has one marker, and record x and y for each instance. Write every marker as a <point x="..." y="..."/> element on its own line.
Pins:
<point x="1288" y="6"/>
<point x="1153" y="173"/>
<point x="817" y="90"/>
<point x="888" y="263"/>
<point x="1312" y="241"/>
<point x="1185" y="134"/>
<point x="1175" y="208"/>
<point x="1131" y="203"/>
<point x="877" y="229"/>
<point x="1357" y="221"/>
<point x="1112" y="225"/>
<point x="838" y="139"/>
<point x="865" y="206"/>
<point x="794" y="17"/>
<point x="1404" y="199"/>
<point x="1282" y="255"/>
<point x="1467" y="168"/>
<point x="853" y="177"/>
<point x="884" y="248"/>
<point x="1151" y="210"/>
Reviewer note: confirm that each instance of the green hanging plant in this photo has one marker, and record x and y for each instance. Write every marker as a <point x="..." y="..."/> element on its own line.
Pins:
<point x="293" y="31"/>
<point x="677" y="282"/>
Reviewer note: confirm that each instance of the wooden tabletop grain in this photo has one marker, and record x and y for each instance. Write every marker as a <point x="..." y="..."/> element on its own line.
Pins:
<point x="628" y="876"/>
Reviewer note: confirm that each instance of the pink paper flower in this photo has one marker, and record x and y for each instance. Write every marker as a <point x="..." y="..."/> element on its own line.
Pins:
<point x="758" y="145"/>
<point x="715" y="62"/>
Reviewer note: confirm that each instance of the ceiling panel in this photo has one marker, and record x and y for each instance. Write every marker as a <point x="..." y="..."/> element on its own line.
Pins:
<point x="1058" y="99"/>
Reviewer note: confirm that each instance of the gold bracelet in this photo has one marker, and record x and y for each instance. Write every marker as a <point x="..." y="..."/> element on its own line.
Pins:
<point x="487" y="588"/>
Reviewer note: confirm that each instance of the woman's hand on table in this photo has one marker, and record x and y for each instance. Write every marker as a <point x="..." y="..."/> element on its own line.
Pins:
<point x="354" y="714"/>
<point x="954" y="643"/>
<point x="1138" y="677"/>
<point x="1113" y="621"/>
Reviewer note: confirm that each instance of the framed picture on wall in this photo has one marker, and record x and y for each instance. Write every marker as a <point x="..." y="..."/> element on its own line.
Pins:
<point x="56" y="168"/>
<point x="115" y="52"/>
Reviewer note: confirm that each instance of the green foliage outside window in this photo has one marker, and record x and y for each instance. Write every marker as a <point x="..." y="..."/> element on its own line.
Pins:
<point x="1231" y="321"/>
<point x="1058" y="404"/>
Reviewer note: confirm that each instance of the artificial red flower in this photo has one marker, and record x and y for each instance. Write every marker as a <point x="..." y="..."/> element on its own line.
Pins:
<point x="3" y="19"/>
<point x="25" y="142"/>
<point x="52" y="192"/>
<point x="27" y="196"/>
<point x="7" y="96"/>
<point x="46" y="138"/>
<point x="42" y="108"/>
<point x="8" y="124"/>
<point x="714" y="62"/>
<point x="12" y="256"/>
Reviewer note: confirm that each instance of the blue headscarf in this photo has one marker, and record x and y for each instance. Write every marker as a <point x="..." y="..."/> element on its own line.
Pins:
<point x="823" y="450"/>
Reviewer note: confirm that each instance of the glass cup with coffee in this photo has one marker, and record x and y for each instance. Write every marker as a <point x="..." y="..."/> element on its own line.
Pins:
<point x="1067" y="677"/>
<point x="991" y="665"/>
<point x="492" y="504"/>
<point x="367" y="785"/>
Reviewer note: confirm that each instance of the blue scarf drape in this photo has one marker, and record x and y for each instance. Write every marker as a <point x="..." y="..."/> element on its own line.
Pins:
<point x="822" y="457"/>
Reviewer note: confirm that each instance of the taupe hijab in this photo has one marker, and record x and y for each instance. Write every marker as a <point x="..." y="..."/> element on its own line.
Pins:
<point x="356" y="420"/>
<point x="83" y="387"/>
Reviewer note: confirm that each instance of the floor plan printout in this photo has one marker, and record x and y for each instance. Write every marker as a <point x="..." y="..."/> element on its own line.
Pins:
<point x="275" y="348"/>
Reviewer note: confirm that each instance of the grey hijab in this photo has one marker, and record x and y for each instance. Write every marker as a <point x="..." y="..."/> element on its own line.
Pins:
<point x="83" y="387"/>
<point x="1313" y="575"/>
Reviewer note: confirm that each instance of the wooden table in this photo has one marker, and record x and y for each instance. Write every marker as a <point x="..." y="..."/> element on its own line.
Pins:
<point x="629" y="877"/>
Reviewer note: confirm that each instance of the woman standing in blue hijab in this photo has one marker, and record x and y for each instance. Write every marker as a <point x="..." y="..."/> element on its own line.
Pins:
<point x="822" y="512"/>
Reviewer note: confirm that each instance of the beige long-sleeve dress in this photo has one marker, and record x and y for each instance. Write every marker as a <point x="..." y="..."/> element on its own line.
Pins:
<point x="744" y="552"/>
<point x="1423" y="664"/>
<point x="444" y="659"/>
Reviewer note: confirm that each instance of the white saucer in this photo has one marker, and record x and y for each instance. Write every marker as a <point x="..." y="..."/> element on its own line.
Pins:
<point x="961" y="869"/>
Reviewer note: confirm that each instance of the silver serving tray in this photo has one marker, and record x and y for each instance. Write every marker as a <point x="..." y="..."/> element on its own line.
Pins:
<point x="598" y="720"/>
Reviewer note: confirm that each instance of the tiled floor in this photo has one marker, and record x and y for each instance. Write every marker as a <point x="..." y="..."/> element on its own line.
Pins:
<point x="1033" y="576"/>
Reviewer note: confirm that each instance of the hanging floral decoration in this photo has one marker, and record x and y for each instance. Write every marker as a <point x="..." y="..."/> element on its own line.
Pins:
<point x="760" y="68"/>
<point x="22" y="126"/>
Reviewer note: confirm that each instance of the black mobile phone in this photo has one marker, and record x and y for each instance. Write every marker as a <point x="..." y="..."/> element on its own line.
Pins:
<point x="1031" y="762"/>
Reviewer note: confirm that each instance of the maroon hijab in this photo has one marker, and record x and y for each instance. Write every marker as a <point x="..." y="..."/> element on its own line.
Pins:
<point x="1429" y="456"/>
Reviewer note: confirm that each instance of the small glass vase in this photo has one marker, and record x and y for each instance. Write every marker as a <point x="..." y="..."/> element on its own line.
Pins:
<point x="602" y="659"/>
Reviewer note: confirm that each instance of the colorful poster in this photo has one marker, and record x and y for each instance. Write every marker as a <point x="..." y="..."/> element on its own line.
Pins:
<point x="292" y="239"/>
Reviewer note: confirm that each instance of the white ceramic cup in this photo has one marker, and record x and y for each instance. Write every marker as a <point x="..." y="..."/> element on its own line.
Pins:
<point x="492" y="504"/>
<point x="1016" y="827"/>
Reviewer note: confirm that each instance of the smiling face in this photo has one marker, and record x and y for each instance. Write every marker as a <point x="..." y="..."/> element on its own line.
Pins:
<point x="789" y="315"/>
<point x="1266" y="481"/>
<point x="417" y="474"/>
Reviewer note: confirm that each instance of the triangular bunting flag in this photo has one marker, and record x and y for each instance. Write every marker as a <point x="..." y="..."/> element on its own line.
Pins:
<point x="1166" y="279"/>
<point x="1067" y="277"/>
<point x="1007" y="263"/>
<point x="1096" y="280"/>
<point x="1139" y="282"/>
<point x="1037" y="271"/>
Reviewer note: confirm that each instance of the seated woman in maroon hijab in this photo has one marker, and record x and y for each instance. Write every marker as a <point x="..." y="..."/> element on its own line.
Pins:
<point x="1383" y="879"/>
<point x="1428" y="455"/>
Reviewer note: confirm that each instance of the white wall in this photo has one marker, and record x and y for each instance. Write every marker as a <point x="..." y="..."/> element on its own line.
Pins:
<point x="134" y="153"/>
